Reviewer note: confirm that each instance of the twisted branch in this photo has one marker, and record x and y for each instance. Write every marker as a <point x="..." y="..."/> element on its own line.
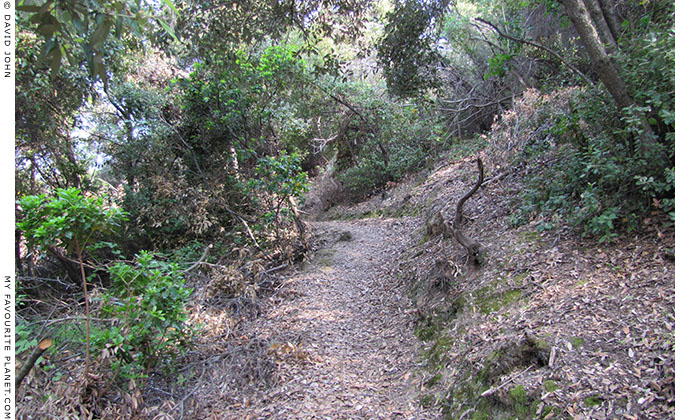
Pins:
<point x="473" y="247"/>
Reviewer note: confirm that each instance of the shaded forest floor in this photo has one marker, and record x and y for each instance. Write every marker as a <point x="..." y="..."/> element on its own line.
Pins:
<point x="384" y="321"/>
<point x="341" y="331"/>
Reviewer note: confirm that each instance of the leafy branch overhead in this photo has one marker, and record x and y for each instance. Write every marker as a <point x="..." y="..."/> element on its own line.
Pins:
<point x="79" y="30"/>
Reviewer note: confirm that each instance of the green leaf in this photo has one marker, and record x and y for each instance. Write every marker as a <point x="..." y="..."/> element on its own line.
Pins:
<point x="99" y="69"/>
<point x="101" y="33"/>
<point x="171" y="6"/>
<point x="78" y="24"/>
<point x="55" y="60"/>
<point x="47" y="30"/>
<point x="168" y="29"/>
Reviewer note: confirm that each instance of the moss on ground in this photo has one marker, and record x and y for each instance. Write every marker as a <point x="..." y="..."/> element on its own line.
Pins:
<point x="593" y="401"/>
<point x="577" y="342"/>
<point x="435" y="356"/>
<point x="550" y="385"/>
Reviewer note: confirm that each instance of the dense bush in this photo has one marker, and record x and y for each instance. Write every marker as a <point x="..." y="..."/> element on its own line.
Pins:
<point x="192" y="148"/>
<point x="67" y="225"/>
<point x="148" y="301"/>
<point x="395" y="140"/>
<point x="599" y="176"/>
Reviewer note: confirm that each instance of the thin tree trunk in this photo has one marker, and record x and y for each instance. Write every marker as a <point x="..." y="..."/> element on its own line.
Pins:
<point x="602" y="27"/>
<point x="235" y="162"/>
<point x="88" y="312"/>
<point x="612" y="19"/>
<point x="18" y="240"/>
<point x="602" y="63"/>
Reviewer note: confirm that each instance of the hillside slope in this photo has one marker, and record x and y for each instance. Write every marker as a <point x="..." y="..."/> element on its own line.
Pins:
<point x="551" y="326"/>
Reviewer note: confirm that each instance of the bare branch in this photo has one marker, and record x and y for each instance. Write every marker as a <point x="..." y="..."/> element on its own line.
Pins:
<point x="538" y="46"/>
<point x="38" y="351"/>
<point x="196" y="264"/>
<point x="473" y="247"/>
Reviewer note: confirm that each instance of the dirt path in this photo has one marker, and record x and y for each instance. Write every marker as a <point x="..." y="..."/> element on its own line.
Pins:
<point x="343" y="339"/>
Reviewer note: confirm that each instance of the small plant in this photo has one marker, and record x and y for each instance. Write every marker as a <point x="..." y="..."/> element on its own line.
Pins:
<point x="277" y="181"/>
<point x="593" y="401"/>
<point x="577" y="342"/>
<point x="25" y="338"/>
<point x="518" y="395"/>
<point x="148" y="299"/>
<point x="550" y="385"/>
<point x="66" y="226"/>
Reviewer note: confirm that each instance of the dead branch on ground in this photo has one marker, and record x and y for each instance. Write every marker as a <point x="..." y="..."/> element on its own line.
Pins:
<point x="38" y="351"/>
<point x="473" y="247"/>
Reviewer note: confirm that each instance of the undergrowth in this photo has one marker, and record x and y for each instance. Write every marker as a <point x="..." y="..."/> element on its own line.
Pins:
<point x="592" y="168"/>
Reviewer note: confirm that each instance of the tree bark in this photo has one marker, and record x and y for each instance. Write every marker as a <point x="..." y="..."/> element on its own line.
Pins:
<point x="604" y="66"/>
<point x="602" y="63"/>
<point x="474" y="248"/>
<point x="235" y="162"/>
<point x="601" y="25"/>
<point x="612" y="18"/>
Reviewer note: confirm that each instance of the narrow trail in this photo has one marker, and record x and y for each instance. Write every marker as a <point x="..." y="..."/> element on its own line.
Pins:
<point x="343" y="337"/>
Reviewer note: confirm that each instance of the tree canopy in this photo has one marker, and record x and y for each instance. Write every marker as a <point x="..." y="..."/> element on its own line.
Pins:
<point x="173" y="107"/>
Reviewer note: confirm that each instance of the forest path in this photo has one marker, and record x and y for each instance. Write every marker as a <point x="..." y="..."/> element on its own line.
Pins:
<point x="342" y="336"/>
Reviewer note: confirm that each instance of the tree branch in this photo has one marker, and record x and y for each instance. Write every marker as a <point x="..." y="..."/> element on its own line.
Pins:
<point x="538" y="46"/>
<point x="196" y="264"/>
<point x="38" y="351"/>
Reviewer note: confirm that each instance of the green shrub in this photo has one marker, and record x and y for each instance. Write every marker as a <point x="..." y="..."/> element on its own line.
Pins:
<point x="602" y="177"/>
<point x="405" y="136"/>
<point x="67" y="223"/>
<point x="608" y="168"/>
<point x="148" y="301"/>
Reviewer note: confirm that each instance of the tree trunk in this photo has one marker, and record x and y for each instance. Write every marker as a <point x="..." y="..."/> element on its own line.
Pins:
<point x="602" y="63"/>
<point x="612" y="19"/>
<point x="604" y="66"/>
<point x="602" y="26"/>
<point x="18" y="241"/>
<point x="235" y="162"/>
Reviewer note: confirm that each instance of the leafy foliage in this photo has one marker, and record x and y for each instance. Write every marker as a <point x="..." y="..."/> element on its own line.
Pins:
<point x="595" y="180"/>
<point x="217" y="27"/>
<point x="276" y="181"/>
<point x="386" y="142"/>
<point x="280" y="176"/>
<point x="211" y="129"/>
<point x="209" y="139"/>
<point x="45" y="154"/>
<point x="78" y="30"/>
<point x="407" y="52"/>
<point x="148" y="300"/>
<point x="68" y="223"/>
